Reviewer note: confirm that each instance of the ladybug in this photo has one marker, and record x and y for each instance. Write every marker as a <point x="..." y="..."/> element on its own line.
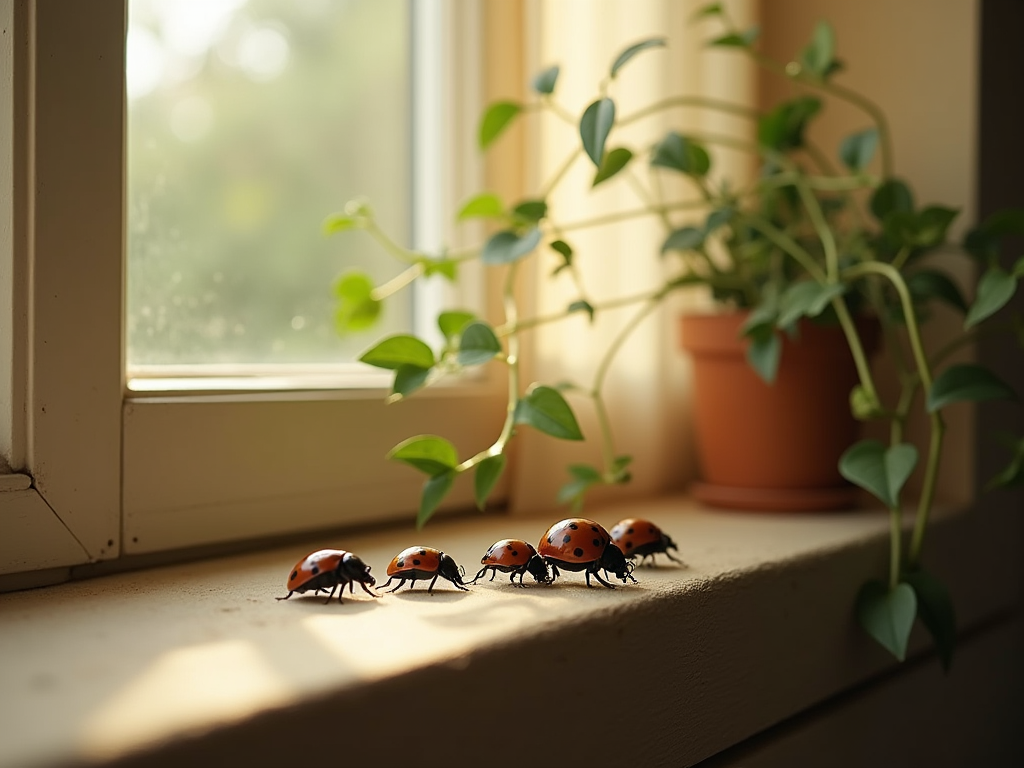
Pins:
<point x="514" y="556"/>
<point x="578" y="544"/>
<point x="330" y="568"/>
<point x="424" y="563"/>
<point x="636" y="536"/>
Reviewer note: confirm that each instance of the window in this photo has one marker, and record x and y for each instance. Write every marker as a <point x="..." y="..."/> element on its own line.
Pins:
<point x="120" y="472"/>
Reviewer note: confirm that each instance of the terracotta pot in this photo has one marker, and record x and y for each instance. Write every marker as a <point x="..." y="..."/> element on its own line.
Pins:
<point x="772" y="447"/>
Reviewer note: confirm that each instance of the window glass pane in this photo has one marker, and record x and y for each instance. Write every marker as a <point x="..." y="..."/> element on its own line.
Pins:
<point x="249" y="121"/>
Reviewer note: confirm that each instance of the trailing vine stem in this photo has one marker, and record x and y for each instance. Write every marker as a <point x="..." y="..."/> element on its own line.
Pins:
<point x="937" y="424"/>
<point x="512" y="363"/>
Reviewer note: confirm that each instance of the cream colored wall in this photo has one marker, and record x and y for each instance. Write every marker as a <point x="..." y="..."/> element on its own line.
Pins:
<point x="917" y="60"/>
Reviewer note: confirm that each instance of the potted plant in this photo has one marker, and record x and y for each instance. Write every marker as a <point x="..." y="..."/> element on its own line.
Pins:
<point x="809" y="245"/>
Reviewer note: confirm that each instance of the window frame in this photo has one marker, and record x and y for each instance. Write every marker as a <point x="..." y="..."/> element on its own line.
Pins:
<point x="114" y="472"/>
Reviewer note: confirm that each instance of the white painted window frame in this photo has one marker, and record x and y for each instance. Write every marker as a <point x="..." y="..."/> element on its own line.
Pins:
<point x="101" y="472"/>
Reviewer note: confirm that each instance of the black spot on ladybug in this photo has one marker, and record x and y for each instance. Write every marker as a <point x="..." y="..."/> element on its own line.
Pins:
<point x="597" y="542"/>
<point x="550" y="540"/>
<point x="593" y="528"/>
<point x="578" y="552"/>
<point x="573" y="526"/>
<point x="566" y="539"/>
<point x="400" y="563"/>
<point x="650" y="529"/>
<point x="630" y="531"/>
<point x="515" y="553"/>
<point x="508" y="546"/>
<point x="314" y="570"/>
<point x="629" y="545"/>
<point x="423" y="551"/>
<point x="416" y="561"/>
<point x="295" y="574"/>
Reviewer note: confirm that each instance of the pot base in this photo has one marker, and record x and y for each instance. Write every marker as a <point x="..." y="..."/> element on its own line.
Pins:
<point x="776" y="499"/>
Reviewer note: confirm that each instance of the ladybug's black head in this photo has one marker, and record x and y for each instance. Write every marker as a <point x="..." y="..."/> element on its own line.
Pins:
<point x="356" y="570"/>
<point x="538" y="568"/>
<point x="613" y="560"/>
<point x="450" y="570"/>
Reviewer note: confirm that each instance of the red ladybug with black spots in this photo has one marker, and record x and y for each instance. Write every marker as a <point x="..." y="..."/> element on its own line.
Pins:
<point x="578" y="544"/>
<point x="637" y="537"/>
<point x="330" y="568"/>
<point x="421" y="563"/>
<point x="515" y="557"/>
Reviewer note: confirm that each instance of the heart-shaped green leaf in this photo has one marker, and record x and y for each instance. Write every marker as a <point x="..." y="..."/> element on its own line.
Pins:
<point x="891" y="196"/>
<point x="711" y="9"/>
<point x="409" y="378"/>
<point x="584" y="476"/>
<point x="544" y="82"/>
<point x="857" y="149"/>
<point x="595" y="125"/>
<point x="614" y="161"/>
<point x="932" y="224"/>
<point x="764" y="353"/>
<point x="679" y="153"/>
<point x="684" y="239"/>
<point x="564" y="250"/>
<point x="935" y="609"/>
<point x="398" y="350"/>
<point x="633" y="50"/>
<point x="888" y="615"/>
<point x="995" y="289"/>
<point x="1012" y="475"/>
<point x="783" y="128"/>
<point x="742" y="39"/>
<point x="806" y="299"/>
<point x="487" y="474"/>
<point x="496" y="119"/>
<point x="452" y="322"/>
<point x="340" y="222"/>
<point x="582" y="305"/>
<point x="879" y="470"/>
<point x="967" y="382"/>
<point x="544" y="409"/>
<point x="478" y="344"/>
<point x="434" y="491"/>
<point x="357" y="310"/>
<point x="900" y="461"/>
<point x="530" y="211"/>
<point x="486" y="205"/>
<point x="934" y="284"/>
<point x="817" y="57"/>
<point x="508" y="246"/>
<point x="427" y="453"/>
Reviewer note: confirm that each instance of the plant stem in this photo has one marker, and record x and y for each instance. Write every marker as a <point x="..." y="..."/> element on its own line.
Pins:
<point x="895" y="545"/>
<point x="607" y="439"/>
<point x="560" y="173"/>
<point x="512" y="361"/>
<point x="707" y="102"/>
<point x="398" y="282"/>
<point x="787" y="244"/>
<point x="938" y="426"/>
<point x="531" y="322"/>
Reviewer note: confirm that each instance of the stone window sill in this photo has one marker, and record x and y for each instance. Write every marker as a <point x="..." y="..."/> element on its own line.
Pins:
<point x="174" y="664"/>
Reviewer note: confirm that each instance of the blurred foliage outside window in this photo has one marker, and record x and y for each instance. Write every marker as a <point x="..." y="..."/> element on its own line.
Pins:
<point x="248" y="122"/>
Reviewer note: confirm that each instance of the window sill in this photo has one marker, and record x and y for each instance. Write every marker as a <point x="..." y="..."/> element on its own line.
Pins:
<point x="161" y="666"/>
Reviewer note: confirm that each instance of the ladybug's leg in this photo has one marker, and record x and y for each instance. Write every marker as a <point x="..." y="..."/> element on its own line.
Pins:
<point x="598" y="577"/>
<point x="396" y="587"/>
<point x="494" y="572"/>
<point x="673" y="559"/>
<point x="366" y="589"/>
<point x="333" y="587"/>
<point x="432" y="582"/>
<point x="285" y="597"/>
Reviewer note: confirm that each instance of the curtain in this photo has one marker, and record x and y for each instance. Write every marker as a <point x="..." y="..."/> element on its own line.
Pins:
<point x="646" y="389"/>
